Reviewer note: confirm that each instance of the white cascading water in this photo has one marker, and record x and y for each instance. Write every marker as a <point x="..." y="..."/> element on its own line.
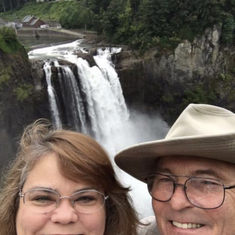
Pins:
<point x="112" y="125"/>
<point x="52" y="97"/>
<point x="75" y="100"/>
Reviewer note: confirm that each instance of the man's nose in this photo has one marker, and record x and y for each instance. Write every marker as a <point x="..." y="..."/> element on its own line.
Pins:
<point x="64" y="213"/>
<point x="179" y="200"/>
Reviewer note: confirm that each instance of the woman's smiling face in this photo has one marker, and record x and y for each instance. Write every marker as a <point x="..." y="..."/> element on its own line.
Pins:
<point x="178" y="216"/>
<point x="64" y="220"/>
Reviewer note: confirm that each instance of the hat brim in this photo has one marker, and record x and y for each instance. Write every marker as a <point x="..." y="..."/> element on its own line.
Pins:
<point x="141" y="160"/>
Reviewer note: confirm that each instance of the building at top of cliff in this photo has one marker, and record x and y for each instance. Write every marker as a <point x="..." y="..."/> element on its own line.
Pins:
<point x="32" y="22"/>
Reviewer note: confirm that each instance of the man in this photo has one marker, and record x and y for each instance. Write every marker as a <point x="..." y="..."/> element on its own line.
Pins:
<point x="190" y="174"/>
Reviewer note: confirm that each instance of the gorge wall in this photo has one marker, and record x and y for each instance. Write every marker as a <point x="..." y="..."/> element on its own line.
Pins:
<point x="158" y="81"/>
<point x="166" y="81"/>
<point x="21" y="100"/>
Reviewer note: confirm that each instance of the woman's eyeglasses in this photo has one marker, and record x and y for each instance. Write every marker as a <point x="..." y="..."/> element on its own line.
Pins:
<point x="42" y="200"/>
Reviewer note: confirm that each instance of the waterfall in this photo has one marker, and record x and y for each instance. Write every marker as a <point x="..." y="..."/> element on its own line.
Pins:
<point x="93" y="103"/>
<point x="72" y="96"/>
<point x="96" y="103"/>
<point x="52" y="97"/>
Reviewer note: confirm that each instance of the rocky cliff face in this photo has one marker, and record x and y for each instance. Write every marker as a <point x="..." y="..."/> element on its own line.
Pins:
<point x="201" y="71"/>
<point x="21" y="100"/>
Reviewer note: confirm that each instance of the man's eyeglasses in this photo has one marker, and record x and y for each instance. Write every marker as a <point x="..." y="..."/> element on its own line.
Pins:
<point x="42" y="200"/>
<point x="204" y="193"/>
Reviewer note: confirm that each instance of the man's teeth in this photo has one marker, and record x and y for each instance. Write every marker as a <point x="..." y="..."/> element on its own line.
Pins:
<point x="186" y="225"/>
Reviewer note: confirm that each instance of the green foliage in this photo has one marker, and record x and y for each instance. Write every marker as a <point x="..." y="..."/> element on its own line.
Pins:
<point x="223" y="76"/>
<point x="8" y="40"/>
<point x="111" y="20"/>
<point x="227" y="29"/>
<point x="187" y="33"/>
<point x="142" y="24"/>
<point x="5" y="76"/>
<point x="226" y="77"/>
<point x="8" y="34"/>
<point x="97" y="5"/>
<point x="43" y="10"/>
<point x="199" y="94"/>
<point x="23" y="91"/>
<point x="68" y="18"/>
<point x="125" y="30"/>
<point x="79" y="17"/>
<point x="154" y="14"/>
<point x="168" y="98"/>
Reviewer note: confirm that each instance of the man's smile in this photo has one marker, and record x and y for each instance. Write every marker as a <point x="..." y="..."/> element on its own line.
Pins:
<point x="186" y="225"/>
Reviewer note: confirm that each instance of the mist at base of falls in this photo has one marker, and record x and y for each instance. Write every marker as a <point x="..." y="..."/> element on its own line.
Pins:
<point x="139" y="128"/>
<point x="95" y="94"/>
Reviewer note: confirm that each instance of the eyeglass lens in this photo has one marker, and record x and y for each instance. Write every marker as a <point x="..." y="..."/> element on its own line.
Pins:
<point x="201" y="192"/>
<point x="43" y="201"/>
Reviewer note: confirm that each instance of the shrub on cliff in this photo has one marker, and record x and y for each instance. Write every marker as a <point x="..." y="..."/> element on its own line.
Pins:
<point x="8" y="40"/>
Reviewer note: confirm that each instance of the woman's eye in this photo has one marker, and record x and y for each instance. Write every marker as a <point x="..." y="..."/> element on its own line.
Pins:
<point x="43" y="198"/>
<point x="85" y="199"/>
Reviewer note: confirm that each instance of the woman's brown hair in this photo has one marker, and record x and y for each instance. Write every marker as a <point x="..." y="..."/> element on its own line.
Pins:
<point x="80" y="157"/>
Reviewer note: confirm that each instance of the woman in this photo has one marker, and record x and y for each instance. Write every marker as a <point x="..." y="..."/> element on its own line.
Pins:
<point x="62" y="182"/>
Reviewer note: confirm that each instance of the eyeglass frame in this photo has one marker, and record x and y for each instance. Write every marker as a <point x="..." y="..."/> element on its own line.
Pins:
<point x="105" y="197"/>
<point x="175" y="185"/>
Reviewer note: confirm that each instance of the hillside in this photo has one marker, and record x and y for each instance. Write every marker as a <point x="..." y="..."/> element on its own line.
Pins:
<point x="141" y="24"/>
<point x="43" y="10"/>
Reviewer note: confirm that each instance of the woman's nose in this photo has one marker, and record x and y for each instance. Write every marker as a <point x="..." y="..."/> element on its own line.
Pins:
<point x="64" y="213"/>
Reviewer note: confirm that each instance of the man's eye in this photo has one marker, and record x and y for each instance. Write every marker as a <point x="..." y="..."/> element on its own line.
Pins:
<point x="163" y="180"/>
<point x="209" y="183"/>
<point x="205" y="185"/>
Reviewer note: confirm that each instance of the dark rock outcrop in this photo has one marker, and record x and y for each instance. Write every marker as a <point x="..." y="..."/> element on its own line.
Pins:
<point x="166" y="81"/>
<point x="88" y="57"/>
<point x="22" y="100"/>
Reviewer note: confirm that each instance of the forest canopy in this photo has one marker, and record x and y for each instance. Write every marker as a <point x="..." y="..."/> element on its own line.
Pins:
<point x="141" y="24"/>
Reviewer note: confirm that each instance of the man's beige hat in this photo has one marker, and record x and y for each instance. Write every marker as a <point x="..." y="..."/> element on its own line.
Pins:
<point x="201" y="130"/>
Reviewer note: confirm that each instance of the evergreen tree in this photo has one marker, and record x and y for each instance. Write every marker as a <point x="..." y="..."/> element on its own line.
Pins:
<point x="227" y="29"/>
<point x="126" y="29"/>
<point x="154" y="15"/>
<point x="110" y="19"/>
